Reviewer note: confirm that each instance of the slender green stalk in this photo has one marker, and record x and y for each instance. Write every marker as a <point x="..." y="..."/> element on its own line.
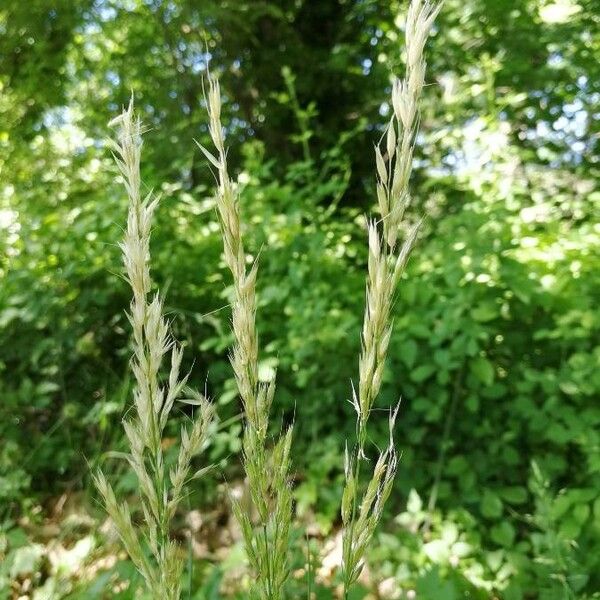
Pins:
<point x="267" y="469"/>
<point x="387" y="259"/>
<point x="302" y="115"/>
<point x="444" y="445"/>
<point x="156" y="557"/>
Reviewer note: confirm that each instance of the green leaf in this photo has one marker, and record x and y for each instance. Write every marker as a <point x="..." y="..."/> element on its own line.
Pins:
<point x="47" y="387"/>
<point x="486" y="311"/>
<point x="431" y="585"/>
<point x="421" y="373"/>
<point x="503" y="534"/>
<point x="483" y="370"/>
<point x="513" y="494"/>
<point x="491" y="505"/>
<point x="408" y="352"/>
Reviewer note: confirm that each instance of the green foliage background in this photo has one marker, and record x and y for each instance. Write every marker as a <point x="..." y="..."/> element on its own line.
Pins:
<point x="496" y="350"/>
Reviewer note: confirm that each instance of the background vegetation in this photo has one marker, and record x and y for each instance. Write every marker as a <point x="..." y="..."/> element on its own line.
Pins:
<point x="496" y="346"/>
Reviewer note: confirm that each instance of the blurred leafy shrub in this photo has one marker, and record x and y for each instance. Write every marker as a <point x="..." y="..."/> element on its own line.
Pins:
<point x="496" y="351"/>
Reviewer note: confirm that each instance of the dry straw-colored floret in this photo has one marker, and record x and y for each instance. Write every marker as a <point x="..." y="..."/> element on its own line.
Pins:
<point x="386" y="261"/>
<point x="149" y="546"/>
<point x="267" y="469"/>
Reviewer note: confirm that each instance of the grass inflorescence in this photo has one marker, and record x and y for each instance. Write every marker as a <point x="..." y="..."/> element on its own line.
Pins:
<point x="386" y="261"/>
<point x="267" y="468"/>
<point x="152" y="551"/>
